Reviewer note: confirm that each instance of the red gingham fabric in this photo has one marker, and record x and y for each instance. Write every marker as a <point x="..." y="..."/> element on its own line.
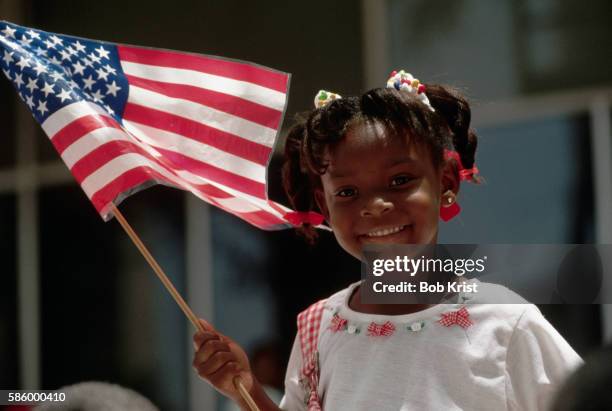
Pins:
<point x="381" y="330"/>
<point x="460" y="317"/>
<point x="337" y="323"/>
<point x="309" y="322"/>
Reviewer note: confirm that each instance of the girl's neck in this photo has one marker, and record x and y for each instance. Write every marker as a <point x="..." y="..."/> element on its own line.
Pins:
<point x="383" y="309"/>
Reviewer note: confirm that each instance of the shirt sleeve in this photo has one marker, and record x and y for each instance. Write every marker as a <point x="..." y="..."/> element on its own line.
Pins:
<point x="293" y="400"/>
<point x="538" y="362"/>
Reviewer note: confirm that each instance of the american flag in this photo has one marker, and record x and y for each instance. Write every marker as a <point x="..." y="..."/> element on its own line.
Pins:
<point x="124" y="118"/>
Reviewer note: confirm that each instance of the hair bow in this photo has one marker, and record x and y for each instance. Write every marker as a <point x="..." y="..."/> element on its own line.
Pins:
<point x="404" y="81"/>
<point x="297" y="218"/>
<point x="469" y="174"/>
<point x="324" y="97"/>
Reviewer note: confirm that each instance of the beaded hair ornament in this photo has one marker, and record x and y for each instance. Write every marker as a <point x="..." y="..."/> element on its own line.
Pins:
<point x="404" y="82"/>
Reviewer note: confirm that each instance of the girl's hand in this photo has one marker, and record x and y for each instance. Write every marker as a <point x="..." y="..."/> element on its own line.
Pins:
<point x="219" y="360"/>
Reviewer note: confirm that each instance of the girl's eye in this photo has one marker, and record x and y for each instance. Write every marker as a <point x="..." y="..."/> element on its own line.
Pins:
<point x="346" y="192"/>
<point x="400" y="180"/>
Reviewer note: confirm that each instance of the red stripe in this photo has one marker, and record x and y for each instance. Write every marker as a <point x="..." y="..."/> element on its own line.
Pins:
<point x="89" y="163"/>
<point x="227" y="103"/>
<point x="131" y="179"/>
<point x="206" y="64"/>
<point x="219" y="175"/>
<point x="227" y="142"/>
<point x="101" y="155"/>
<point x="78" y="128"/>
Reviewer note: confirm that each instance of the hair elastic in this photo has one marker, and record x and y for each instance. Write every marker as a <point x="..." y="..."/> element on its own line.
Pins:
<point x="404" y="81"/>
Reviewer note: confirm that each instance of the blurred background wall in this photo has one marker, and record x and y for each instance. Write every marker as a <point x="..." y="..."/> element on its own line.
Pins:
<point x="78" y="302"/>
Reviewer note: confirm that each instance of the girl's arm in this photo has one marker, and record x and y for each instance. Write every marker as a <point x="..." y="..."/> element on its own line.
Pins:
<point x="219" y="360"/>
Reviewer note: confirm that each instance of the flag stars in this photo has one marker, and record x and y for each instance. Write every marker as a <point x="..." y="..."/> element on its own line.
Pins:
<point x="56" y="40"/>
<point x="87" y="62"/>
<point x="64" y="95"/>
<point x="79" y="47"/>
<point x="97" y="96"/>
<point x="40" y="68"/>
<point x="93" y="57"/>
<point x="19" y="80"/>
<point x="113" y="88"/>
<point x="42" y="107"/>
<point x="33" y="34"/>
<point x="65" y="54"/>
<point x="50" y="44"/>
<point x="32" y="85"/>
<point x="7" y="74"/>
<point x="55" y="61"/>
<point x="8" y="58"/>
<point x="25" y="42"/>
<point x="78" y="68"/>
<point x="40" y="52"/>
<point x="89" y="82"/>
<point x="110" y="69"/>
<point x="103" y="53"/>
<point x="23" y="63"/>
<point x="57" y="76"/>
<point x="48" y="88"/>
<point x="109" y="110"/>
<point x="30" y="102"/>
<point x="9" y="32"/>
<point x="102" y="74"/>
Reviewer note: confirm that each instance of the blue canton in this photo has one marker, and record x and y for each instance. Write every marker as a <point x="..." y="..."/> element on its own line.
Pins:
<point x="50" y="71"/>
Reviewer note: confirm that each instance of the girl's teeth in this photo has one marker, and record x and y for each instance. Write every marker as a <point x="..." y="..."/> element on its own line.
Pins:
<point x="386" y="231"/>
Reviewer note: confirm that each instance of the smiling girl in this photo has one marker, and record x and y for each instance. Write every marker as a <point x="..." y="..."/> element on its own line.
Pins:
<point x="383" y="168"/>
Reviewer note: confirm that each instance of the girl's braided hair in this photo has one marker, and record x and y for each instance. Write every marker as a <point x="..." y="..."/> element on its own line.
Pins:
<point x="400" y="113"/>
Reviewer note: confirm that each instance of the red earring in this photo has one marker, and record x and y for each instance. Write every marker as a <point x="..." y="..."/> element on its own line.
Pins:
<point x="449" y="212"/>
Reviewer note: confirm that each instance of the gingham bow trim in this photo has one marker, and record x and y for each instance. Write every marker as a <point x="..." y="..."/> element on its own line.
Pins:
<point x="460" y="317"/>
<point x="378" y="330"/>
<point x="337" y="323"/>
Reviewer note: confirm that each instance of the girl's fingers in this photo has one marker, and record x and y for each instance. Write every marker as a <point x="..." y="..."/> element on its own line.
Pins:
<point x="215" y="363"/>
<point x="208" y="349"/>
<point x="220" y="376"/>
<point x="201" y="337"/>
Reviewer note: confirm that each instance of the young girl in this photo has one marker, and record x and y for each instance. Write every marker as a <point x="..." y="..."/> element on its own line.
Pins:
<point x="384" y="168"/>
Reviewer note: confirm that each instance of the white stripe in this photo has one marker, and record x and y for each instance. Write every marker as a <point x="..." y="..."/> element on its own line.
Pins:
<point x="237" y="205"/>
<point x="90" y="141"/>
<point x="203" y="115"/>
<point x="117" y="166"/>
<point x="67" y="114"/>
<point x="121" y="164"/>
<point x="197" y="151"/>
<point x="243" y="89"/>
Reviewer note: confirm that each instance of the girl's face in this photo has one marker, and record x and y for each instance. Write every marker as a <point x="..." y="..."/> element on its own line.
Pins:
<point x="382" y="190"/>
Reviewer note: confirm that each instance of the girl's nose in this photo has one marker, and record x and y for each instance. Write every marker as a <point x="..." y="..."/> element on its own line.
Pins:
<point x="376" y="208"/>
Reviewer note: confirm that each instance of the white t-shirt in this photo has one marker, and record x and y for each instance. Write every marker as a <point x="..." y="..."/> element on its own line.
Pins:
<point x="510" y="358"/>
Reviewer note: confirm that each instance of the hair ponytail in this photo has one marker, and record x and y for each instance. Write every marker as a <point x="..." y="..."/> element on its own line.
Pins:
<point x="455" y="109"/>
<point x="297" y="182"/>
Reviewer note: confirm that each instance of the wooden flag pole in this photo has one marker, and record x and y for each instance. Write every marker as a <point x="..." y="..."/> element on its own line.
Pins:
<point x="175" y="294"/>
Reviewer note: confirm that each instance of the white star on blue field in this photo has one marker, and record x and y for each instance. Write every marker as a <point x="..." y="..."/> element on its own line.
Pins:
<point x="50" y="71"/>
